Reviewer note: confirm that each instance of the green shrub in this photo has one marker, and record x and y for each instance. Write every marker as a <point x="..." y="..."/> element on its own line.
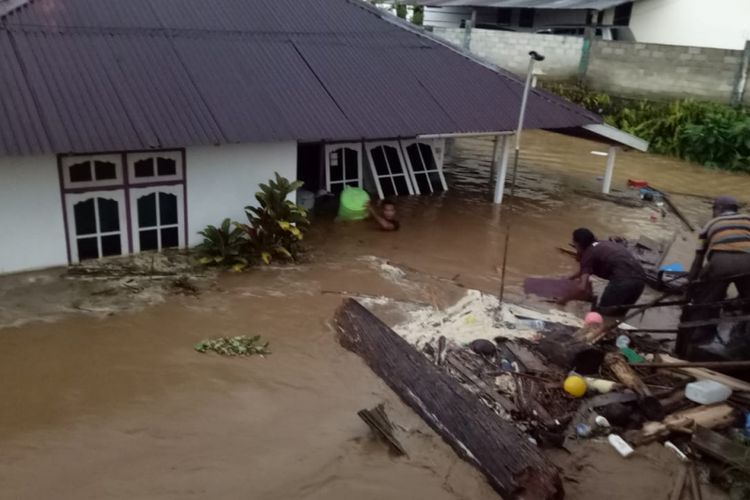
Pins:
<point x="276" y="226"/>
<point x="274" y="230"/>
<point x="223" y="246"/>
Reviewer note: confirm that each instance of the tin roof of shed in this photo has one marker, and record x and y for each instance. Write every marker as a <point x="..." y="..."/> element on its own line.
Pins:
<point x="98" y="75"/>
<point x="528" y="4"/>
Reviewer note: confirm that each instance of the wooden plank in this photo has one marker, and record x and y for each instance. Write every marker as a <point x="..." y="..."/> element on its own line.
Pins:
<point x="706" y="374"/>
<point x="482" y="386"/>
<point x="723" y="449"/>
<point x="549" y="288"/>
<point x="527" y="357"/>
<point x="710" y="416"/>
<point x="513" y="466"/>
<point x="378" y="421"/>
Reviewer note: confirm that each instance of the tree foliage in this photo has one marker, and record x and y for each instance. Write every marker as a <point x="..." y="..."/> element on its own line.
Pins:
<point x="712" y="134"/>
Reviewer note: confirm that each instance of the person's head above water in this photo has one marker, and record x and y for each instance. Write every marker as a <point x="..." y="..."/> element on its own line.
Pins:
<point x="583" y="238"/>
<point x="725" y="204"/>
<point x="389" y="209"/>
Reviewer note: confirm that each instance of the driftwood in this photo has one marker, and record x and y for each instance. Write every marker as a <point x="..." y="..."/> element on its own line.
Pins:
<point x="625" y="374"/>
<point x="709" y="416"/>
<point x="723" y="449"/>
<point x="381" y="425"/>
<point x="513" y="466"/>
<point x="706" y="374"/>
<point x="570" y="354"/>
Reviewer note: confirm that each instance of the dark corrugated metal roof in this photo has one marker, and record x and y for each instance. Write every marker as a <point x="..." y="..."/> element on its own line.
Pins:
<point x="97" y="75"/>
<point x="528" y="4"/>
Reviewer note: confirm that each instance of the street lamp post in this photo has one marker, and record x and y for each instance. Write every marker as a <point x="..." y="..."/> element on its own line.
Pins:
<point x="534" y="57"/>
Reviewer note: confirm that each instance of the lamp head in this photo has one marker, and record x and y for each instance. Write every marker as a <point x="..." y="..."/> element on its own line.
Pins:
<point x="536" y="56"/>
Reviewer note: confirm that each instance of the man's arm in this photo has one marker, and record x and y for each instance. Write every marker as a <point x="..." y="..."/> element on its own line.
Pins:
<point x="384" y="223"/>
<point x="578" y="291"/>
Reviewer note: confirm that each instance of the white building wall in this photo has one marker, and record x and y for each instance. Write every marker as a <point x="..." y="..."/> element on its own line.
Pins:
<point x="222" y="180"/>
<point x="32" y="229"/>
<point x="722" y="24"/>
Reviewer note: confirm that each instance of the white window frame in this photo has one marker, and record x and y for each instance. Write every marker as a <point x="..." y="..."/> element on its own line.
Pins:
<point x="71" y="199"/>
<point x="437" y="155"/>
<point x="370" y="146"/>
<point x="330" y="148"/>
<point x="139" y="192"/>
<point x="69" y="161"/>
<point x="133" y="158"/>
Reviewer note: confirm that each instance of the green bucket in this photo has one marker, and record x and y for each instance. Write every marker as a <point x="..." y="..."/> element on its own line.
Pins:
<point x="353" y="203"/>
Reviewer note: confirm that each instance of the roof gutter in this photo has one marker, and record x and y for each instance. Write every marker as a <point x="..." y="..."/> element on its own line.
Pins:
<point x="458" y="135"/>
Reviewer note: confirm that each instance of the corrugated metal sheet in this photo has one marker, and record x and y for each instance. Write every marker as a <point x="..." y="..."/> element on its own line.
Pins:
<point x="98" y="75"/>
<point x="528" y="4"/>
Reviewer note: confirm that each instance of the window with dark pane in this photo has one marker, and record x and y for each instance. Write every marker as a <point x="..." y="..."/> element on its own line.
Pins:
<point x="147" y="210"/>
<point x="144" y="168"/>
<point x="402" y="186"/>
<point x="80" y="172"/>
<point x="170" y="237"/>
<point x="423" y="183"/>
<point x="337" y="188"/>
<point x="84" y="215"/>
<point x="88" y="248"/>
<point x="428" y="157"/>
<point x="149" y="240"/>
<point x="167" y="209"/>
<point x="414" y="157"/>
<point x="166" y="166"/>
<point x="387" y="186"/>
<point x="351" y="163"/>
<point x="394" y="160"/>
<point x="111" y="245"/>
<point x="378" y="158"/>
<point x="336" y="166"/>
<point x="105" y="170"/>
<point x="437" y="182"/>
<point x="109" y="215"/>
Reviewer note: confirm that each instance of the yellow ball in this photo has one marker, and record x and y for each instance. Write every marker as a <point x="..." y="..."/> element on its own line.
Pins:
<point x="575" y="386"/>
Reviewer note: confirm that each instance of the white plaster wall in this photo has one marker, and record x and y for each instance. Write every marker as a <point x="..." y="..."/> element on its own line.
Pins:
<point x="222" y="180"/>
<point x="722" y="24"/>
<point x="32" y="228"/>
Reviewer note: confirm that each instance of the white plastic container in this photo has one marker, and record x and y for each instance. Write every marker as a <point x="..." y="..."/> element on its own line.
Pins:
<point x="619" y="444"/>
<point x="707" y="392"/>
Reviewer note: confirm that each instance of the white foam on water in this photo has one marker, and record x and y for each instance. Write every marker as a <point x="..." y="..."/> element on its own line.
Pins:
<point x="475" y="316"/>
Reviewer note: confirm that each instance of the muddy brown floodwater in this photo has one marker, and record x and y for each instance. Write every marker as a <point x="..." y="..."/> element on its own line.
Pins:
<point x="119" y="406"/>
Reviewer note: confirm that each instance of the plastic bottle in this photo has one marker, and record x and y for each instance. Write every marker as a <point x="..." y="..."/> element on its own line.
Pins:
<point x="534" y="324"/>
<point x="707" y="392"/>
<point x="619" y="444"/>
<point x="622" y="342"/>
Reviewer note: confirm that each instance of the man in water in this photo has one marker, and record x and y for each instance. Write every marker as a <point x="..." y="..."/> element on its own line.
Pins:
<point x="610" y="261"/>
<point x="386" y="216"/>
<point x="726" y="249"/>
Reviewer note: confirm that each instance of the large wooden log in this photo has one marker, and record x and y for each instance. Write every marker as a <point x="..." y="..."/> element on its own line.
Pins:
<point x="514" y="467"/>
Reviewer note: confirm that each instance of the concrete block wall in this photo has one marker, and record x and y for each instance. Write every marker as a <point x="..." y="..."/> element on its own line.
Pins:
<point x="621" y="68"/>
<point x="510" y="50"/>
<point x="663" y="71"/>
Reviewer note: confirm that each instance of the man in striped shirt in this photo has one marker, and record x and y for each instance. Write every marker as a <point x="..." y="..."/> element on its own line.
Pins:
<point x="726" y="249"/>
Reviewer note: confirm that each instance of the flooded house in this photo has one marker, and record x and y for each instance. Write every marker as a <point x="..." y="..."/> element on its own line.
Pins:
<point x="129" y="126"/>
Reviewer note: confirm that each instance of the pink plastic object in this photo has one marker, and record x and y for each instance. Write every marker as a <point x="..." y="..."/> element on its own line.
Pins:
<point x="593" y="318"/>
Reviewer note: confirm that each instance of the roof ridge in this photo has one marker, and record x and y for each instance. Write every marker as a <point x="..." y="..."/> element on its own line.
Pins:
<point x="8" y="7"/>
<point x="421" y="31"/>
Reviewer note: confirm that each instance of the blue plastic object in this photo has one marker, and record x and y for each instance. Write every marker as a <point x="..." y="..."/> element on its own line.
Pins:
<point x="675" y="267"/>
